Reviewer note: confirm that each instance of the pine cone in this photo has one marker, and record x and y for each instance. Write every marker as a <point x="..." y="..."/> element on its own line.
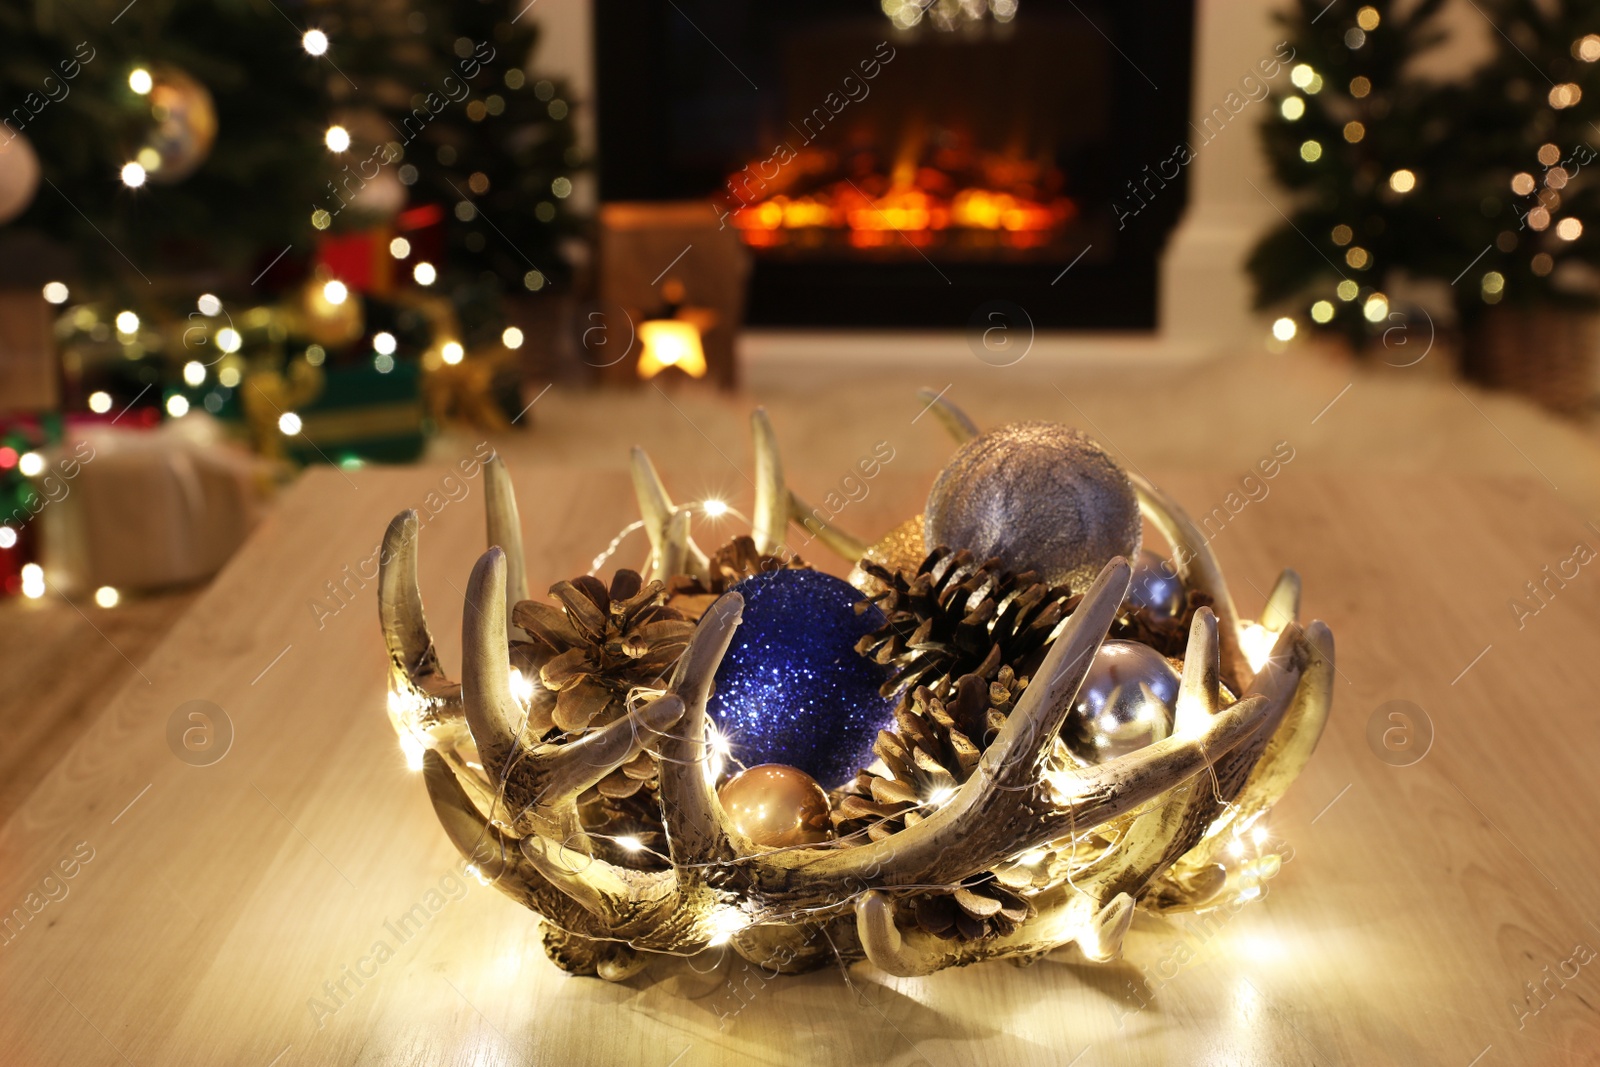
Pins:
<point x="980" y="907"/>
<point x="956" y="616"/>
<point x="729" y="565"/>
<point x="590" y="653"/>
<point x="628" y="829"/>
<point x="938" y="736"/>
<point x="602" y="644"/>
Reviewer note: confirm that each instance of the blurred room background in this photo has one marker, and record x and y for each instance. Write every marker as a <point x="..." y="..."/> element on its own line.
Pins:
<point x="241" y="239"/>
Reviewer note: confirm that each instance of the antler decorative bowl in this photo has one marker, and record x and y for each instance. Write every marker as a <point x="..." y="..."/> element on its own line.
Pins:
<point x="580" y="731"/>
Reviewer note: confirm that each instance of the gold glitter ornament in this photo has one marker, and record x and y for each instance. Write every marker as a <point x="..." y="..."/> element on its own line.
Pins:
<point x="1042" y="497"/>
<point x="901" y="549"/>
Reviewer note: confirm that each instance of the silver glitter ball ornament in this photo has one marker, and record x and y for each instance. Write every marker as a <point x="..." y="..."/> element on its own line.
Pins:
<point x="1040" y="496"/>
<point x="1156" y="586"/>
<point x="1126" y="702"/>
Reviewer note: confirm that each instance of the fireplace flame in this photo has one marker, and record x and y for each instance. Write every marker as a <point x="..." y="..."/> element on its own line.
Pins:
<point x="971" y="200"/>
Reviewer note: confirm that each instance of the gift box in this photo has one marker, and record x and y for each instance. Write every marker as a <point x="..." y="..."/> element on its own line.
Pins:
<point x="363" y="414"/>
<point x="145" y="509"/>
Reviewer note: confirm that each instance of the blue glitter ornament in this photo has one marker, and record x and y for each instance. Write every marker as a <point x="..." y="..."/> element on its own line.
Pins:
<point x="792" y="688"/>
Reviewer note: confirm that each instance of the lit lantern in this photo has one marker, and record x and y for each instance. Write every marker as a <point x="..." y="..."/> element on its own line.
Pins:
<point x="671" y="343"/>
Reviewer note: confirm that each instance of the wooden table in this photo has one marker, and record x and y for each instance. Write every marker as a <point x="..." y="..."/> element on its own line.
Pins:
<point x="208" y="905"/>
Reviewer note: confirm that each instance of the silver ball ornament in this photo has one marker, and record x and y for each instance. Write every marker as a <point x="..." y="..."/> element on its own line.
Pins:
<point x="1126" y="702"/>
<point x="19" y="176"/>
<point x="1042" y="497"/>
<point x="1156" y="586"/>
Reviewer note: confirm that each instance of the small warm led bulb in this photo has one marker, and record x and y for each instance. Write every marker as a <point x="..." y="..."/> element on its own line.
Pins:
<point x="337" y="139"/>
<point x="424" y="273"/>
<point x="99" y="402"/>
<point x="140" y="81"/>
<point x="32" y="581"/>
<point x="194" y="373"/>
<point x="177" y="406"/>
<point x="714" y="508"/>
<point x="452" y="352"/>
<point x="132" y="175"/>
<point x="127" y="322"/>
<point x="1283" y="329"/>
<point x="228" y="339"/>
<point x="55" y="293"/>
<point x="399" y="248"/>
<point x="335" y="292"/>
<point x="512" y="338"/>
<point x="289" y="424"/>
<point x="315" y="42"/>
<point x="31" y="464"/>
<point x="106" y="596"/>
<point x="8" y="537"/>
<point x="384" y="343"/>
<point x="208" y="304"/>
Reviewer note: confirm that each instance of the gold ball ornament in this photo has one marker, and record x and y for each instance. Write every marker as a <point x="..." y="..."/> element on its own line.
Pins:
<point x="183" y="126"/>
<point x="776" y="806"/>
<point x="901" y="549"/>
<point x="331" y="313"/>
<point x="1042" y="497"/>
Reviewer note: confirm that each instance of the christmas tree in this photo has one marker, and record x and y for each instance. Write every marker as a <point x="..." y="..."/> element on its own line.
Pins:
<point x="1528" y="123"/>
<point x="1474" y="183"/>
<point x="188" y="138"/>
<point x="206" y="137"/>
<point x="1360" y="144"/>
<point x="441" y="112"/>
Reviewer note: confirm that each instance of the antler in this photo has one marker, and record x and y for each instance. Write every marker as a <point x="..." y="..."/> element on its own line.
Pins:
<point x="508" y="800"/>
<point x="955" y="421"/>
<point x="1197" y="567"/>
<point x="1062" y="915"/>
<point x="669" y="534"/>
<point x="538" y="783"/>
<point x="1019" y="798"/>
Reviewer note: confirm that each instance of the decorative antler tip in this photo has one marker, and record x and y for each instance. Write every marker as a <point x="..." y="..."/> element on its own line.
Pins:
<point x="491" y="563"/>
<point x="404" y="522"/>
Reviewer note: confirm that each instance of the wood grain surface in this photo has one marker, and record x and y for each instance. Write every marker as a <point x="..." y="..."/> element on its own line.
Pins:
<point x="213" y="912"/>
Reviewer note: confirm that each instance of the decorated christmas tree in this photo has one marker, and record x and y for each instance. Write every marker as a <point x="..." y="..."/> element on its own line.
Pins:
<point x="1528" y="126"/>
<point x="208" y="134"/>
<point x="442" y="115"/>
<point x="1359" y="144"/>
<point x="1472" y="183"/>
<point x="188" y="138"/>
<point x="286" y="210"/>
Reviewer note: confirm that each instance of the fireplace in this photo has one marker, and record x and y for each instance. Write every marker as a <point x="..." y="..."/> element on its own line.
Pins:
<point x="883" y="173"/>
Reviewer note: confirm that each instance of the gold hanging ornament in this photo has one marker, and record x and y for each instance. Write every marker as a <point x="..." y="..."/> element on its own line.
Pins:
<point x="183" y="124"/>
<point x="271" y="399"/>
<point x="330" y="311"/>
